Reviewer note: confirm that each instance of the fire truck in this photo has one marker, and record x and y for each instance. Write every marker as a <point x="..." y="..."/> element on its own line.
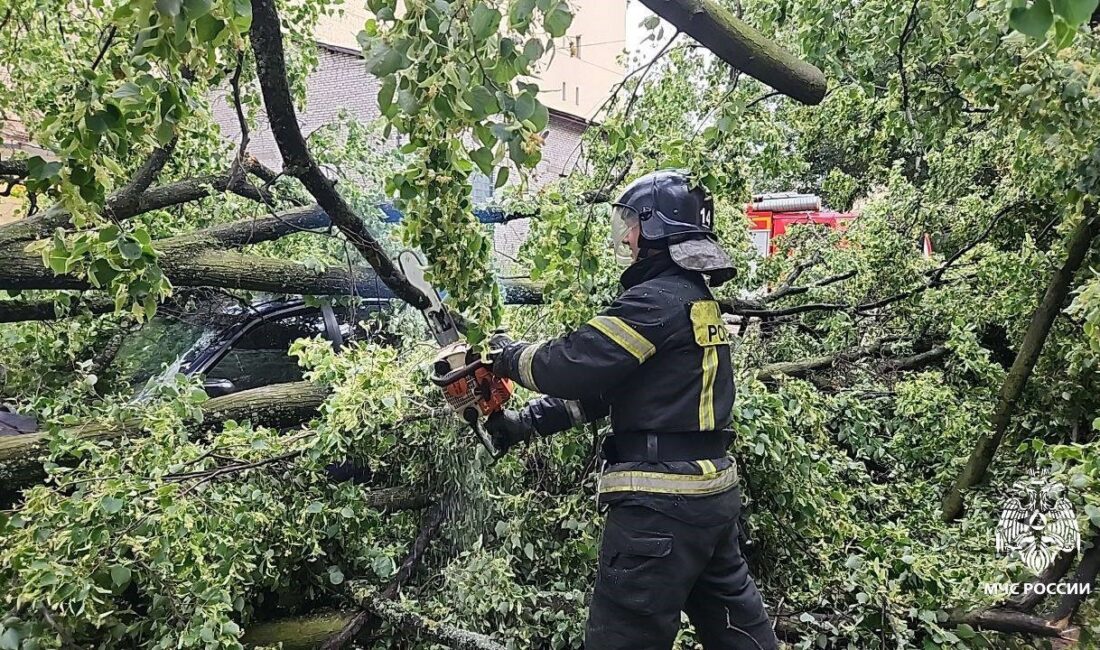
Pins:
<point x="771" y="214"/>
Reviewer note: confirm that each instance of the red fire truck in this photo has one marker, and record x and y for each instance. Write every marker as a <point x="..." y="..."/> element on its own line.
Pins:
<point x="771" y="214"/>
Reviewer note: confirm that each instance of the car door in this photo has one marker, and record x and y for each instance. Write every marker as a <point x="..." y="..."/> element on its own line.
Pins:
<point x="258" y="355"/>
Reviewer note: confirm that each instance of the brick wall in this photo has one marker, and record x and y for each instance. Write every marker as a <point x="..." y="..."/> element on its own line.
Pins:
<point x="341" y="81"/>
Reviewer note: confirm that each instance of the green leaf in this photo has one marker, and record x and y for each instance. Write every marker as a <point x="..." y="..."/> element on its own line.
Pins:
<point x="97" y="122"/>
<point x="385" y="94"/>
<point x="10" y="639"/>
<point x="195" y="9"/>
<point x="208" y="27"/>
<point x="482" y="101"/>
<point x="59" y="261"/>
<point x="169" y="8"/>
<point x="384" y="60"/>
<point x="315" y="507"/>
<point x="483" y="158"/>
<point x="529" y="551"/>
<point x="519" y="17"/>
<point x="651" y="22"/>
<point x="484" y="21"/>
<point x="335" y="575"/>
<point x="120" y="575"/>
<point x="1063" y="34"/>
<point x="1034" y="20"/>
<point x="558" y="20"/>
<point x="129" y="249"/>
<point x="502" y="178"/>
<point x="111" y="505"/>
<point x="1075" y="12"/>
<point x="408" y="102"/>
<point x="525" y="106"/>
<point x="541" y="117"/>
<point x="165" y="132"/>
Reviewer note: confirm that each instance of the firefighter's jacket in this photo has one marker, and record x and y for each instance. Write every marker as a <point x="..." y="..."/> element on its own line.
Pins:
<point x="657" y="360"/>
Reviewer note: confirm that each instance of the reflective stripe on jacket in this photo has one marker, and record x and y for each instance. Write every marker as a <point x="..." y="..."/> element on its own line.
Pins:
<point x="658" y="359"/>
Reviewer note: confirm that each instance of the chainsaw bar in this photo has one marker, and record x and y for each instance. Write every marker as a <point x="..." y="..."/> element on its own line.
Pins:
<point x="440" y="322"/>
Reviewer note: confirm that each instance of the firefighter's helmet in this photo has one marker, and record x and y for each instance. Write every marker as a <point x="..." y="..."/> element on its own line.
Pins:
<point x="671" y="211"/>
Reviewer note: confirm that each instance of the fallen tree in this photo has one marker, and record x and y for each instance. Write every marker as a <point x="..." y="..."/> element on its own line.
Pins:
<point x="1054" y="298"/>
<point x="278" y="405"/>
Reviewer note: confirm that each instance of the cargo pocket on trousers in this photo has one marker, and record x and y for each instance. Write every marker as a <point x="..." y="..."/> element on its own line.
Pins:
<point x="632" y="568"/>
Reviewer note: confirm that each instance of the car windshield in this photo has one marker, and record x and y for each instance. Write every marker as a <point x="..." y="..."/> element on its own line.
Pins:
<point x="158" y="344"/>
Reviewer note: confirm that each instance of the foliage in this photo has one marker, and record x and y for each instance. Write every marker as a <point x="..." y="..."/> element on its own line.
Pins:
<point x="939" y="120"/>
<point x="451" y="72"/>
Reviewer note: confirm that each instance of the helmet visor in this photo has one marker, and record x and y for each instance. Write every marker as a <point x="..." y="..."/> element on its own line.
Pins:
<point x="623" y="220"/>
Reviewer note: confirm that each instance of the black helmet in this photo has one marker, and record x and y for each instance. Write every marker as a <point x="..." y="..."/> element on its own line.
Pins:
<point x="674" y="212"/>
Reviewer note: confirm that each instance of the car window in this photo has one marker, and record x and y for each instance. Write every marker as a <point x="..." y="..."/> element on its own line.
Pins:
<point x="159" y="343"/>
<point x="358" y="322"/>
<point x="260" y="357"/>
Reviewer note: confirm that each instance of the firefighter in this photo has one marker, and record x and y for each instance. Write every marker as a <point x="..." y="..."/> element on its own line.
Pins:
<point x="658" y="361"/>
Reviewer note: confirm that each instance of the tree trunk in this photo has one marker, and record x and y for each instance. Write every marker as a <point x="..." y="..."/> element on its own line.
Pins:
<point x="743" y="47"/>
<point x="276" y="405"/>
<point x="200" y="259"/>
<point x="1057" y="290"/>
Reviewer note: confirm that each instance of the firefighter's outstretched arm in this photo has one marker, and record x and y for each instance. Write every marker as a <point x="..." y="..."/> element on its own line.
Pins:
<point x="594" y="359"/>
<point x="543" y="416"/>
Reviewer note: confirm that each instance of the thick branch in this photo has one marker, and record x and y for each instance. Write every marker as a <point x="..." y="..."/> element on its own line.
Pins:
<point x="267" y="46"/>
<point x="1007" y="620"/>
<point x="16" y="168"/>
<point x="260" y="229"/>
<point x="981" y="457"/>
<point x="1027" y="599"/>
<point x="412" y="624"/>
<point x="365" y="621"/>
<point x="743" y="47"/>
<point x="39" y="310"/>
<point x="1084" y="575"/>
<point x="162" y="196"/>
<point x="143" y="177"/>
<point x="805" y="366"/>
<point x="275" y="405"/>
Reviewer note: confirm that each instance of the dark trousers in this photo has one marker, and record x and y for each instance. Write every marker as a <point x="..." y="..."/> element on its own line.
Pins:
<point x="653" y="566"/>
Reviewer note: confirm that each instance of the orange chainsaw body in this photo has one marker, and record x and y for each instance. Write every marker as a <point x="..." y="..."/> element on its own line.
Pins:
<point x="467" y="382"/>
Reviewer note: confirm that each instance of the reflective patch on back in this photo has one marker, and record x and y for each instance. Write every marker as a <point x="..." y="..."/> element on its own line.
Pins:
<point x="706" y="322"/>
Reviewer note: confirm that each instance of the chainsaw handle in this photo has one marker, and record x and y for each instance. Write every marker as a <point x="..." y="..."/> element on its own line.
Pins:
<point x="458" y="373"/>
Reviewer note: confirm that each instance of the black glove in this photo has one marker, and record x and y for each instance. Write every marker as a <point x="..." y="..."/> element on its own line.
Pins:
<point x="497" y="343"/>
<point x="508" y="428"/>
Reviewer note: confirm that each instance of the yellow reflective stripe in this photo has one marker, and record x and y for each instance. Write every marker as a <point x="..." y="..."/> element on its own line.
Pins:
<point x="707" y="466"/>
<point x="706" y="393"/>
<point x="659" y="482"/>
<point x="626" y="336"/>
<point x="526" y="360"/>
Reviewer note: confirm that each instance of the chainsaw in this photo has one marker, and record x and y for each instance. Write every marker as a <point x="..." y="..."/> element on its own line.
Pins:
<point x="467" y="381"/>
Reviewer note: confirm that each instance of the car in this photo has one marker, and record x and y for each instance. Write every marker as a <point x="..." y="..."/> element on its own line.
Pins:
<point x="236" y="346"/>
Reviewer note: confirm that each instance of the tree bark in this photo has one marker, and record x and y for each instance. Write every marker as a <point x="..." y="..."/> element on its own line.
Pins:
<point x="1008" y="621"/>
<point x="198" y="259"/>
<point x="743" y="47"/>
<point x="18" y="311"/>
<point x="276" y="405"/>
<point x="805" y="366"/>
<point x="981" y="456"/>
<point x="1085" y="574"/>
<point x="267" y="47"/>
<point x="365" y="621"/>
<point x="162" y="196"/>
